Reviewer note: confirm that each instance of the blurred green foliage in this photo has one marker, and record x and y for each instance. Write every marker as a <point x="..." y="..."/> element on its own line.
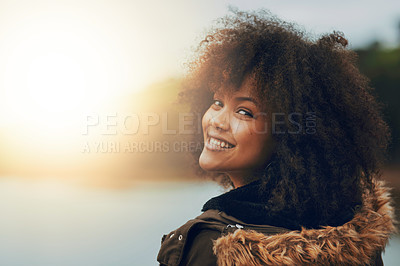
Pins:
<point x="382" y="66"/>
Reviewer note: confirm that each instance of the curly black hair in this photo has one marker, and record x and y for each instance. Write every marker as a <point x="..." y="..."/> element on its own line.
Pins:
<point x="332" y="140"/>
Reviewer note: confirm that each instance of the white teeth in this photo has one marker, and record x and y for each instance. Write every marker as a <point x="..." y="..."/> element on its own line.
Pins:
<point x="220" y="143"/>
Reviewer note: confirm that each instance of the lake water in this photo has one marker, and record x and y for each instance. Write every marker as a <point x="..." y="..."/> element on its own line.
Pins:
<point x="55" y="224"/>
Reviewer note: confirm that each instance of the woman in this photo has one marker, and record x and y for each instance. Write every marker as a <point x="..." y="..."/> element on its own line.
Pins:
<point x="290" y="124"/>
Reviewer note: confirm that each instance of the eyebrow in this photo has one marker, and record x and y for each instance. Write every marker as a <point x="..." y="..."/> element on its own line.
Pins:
<point x="246" y="99"/>
<point x="240" y="98"/>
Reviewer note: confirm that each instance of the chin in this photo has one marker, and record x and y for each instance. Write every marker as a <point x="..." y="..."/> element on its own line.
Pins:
<point x="206" y="163"/>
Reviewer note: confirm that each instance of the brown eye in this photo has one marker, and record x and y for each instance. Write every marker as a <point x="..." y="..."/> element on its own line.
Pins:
<point x="245" y="113"/>
<point x="218" y="103"/>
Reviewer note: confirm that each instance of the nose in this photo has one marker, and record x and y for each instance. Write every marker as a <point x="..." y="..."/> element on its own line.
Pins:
<point x="220" y="120"/>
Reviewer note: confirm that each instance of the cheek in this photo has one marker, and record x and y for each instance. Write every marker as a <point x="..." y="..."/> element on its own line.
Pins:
<point x="205" y="120"/>
<point x="255" y="139"/>
<point x="256" y="152"/>
<point x="250" y="130"/>
<point x="244" y="137"/>
<point x="240" y="129"/>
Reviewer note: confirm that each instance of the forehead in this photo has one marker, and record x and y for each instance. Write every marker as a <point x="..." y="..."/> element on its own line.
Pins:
<point x="246" y="89"/>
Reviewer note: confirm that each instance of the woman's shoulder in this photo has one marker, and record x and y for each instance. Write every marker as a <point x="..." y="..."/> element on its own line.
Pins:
<point x="192" y="233"/>
<point x="193" y="242"/>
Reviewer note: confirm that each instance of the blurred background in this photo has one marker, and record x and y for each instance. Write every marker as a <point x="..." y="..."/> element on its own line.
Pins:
<point x="93" y="163"/>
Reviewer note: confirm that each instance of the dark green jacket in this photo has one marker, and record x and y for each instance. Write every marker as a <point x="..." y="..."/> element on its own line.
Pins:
<point x="215" y="238"/>
<point x="192" y="243"/>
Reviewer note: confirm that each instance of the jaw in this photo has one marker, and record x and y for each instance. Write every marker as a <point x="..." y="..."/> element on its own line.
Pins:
<point x="216" y="160"/>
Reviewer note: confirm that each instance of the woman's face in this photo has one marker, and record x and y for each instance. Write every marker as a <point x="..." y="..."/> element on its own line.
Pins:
<point x="237" y="136"/>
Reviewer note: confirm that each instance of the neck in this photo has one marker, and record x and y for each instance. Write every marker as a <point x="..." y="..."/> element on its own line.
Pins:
<point x="241" y="178"/>
<point x="244" y="177"/>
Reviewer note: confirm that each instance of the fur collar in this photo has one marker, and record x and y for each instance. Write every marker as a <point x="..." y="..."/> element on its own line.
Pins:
<point x="353" y="243"/>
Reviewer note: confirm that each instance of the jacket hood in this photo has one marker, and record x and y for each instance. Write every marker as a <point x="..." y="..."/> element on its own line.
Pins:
<point x="354" y="243"/>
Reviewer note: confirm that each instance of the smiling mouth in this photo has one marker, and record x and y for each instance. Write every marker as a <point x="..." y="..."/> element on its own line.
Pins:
<point x="218" y="145"/>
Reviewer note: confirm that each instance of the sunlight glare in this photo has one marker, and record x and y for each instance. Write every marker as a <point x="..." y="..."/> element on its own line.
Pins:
<point x="56" y="83"/>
